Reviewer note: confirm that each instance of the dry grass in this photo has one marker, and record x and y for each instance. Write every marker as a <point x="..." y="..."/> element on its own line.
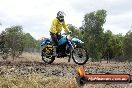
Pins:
<point x="31" y="57"/>
<point x="26" y="57"/>
<point x="35" y="57"/>
<point x="39" y="81"/>
<point x="35" y="81"/>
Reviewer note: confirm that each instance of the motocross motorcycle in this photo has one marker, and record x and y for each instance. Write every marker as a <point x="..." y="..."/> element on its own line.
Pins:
<point x="67" y="47"/>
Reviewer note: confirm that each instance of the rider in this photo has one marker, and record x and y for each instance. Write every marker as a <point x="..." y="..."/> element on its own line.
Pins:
<point x="56" y="27"/>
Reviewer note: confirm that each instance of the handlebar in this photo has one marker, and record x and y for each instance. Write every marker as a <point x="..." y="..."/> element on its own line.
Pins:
<point x="68" y="33"/>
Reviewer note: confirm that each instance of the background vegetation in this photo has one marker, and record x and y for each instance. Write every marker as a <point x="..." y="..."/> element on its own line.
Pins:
<point x="101" y="45"/>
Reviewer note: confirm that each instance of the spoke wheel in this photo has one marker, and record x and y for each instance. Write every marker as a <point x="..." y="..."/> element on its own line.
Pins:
<point x="80" y="56"/>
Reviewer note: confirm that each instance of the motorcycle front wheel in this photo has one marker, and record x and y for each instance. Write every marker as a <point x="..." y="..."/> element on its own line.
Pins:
<point x="47" y="59"/>
<point x="80" y="56"/>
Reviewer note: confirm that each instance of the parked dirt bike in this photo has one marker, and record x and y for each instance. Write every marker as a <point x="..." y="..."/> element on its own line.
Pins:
<point x="67" y="47"/>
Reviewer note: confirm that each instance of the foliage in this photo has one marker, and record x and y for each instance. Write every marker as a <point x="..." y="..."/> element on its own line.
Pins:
<point x="128" y="45"/>
<point x="99" y="43"/>
<point x="93" y="32"/>
<point x="75" y="31"/>
<point x="4" y="50"/>
<point x="14" y="40"/>
<point x="29" y="41"/>
<point x="102" y="44"/>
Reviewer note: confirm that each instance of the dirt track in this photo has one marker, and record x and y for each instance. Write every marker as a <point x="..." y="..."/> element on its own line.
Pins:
<point x="23" y="68"/>
<point x="61" y="68"/>
<point x="64" y="69"/>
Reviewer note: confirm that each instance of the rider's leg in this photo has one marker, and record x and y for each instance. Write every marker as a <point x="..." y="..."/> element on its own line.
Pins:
<point x="58" y="35"/>
<point x="55" y="41"/>
<point x="54" y="38"/>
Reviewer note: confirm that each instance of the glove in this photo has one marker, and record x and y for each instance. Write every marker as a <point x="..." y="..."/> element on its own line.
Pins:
<point x="69" y="32"/>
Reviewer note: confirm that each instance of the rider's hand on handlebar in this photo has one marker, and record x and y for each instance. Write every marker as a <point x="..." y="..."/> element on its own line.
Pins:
<point x="69" y="32"/>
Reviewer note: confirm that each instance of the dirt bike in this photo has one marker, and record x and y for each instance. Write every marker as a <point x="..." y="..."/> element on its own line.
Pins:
<point x="67" y="47"/>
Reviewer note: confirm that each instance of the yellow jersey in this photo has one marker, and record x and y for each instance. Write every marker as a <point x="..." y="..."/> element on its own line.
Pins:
<point x="56" y="26"/>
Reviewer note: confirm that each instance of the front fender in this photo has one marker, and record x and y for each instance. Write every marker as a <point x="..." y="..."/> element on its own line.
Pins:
<point x="78" y="43"/>
<point x="46" y="41"/>
<point x="75" y="40"/>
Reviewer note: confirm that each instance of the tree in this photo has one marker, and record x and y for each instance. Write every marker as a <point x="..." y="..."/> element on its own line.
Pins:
<point x="128" y="45"/>
<point x="113" y="46"/>
<point x="4" y="50"/>
<point x="106" y="50"/>
<point x="29" y="42"/>
<point x="75" y="31"/>
<point x="93" y="32"/>
<point x="14" y="40"/>
<point x="118" y="53"/>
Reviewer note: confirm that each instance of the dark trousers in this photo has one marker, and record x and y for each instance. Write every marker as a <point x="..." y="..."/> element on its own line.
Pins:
<point x="55" y="37"/>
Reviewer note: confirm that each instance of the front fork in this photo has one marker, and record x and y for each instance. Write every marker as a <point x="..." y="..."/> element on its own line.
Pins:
<point x="71" y="48"/>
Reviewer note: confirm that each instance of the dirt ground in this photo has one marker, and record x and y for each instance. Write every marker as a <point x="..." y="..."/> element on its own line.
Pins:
<point x="31" y="71"/>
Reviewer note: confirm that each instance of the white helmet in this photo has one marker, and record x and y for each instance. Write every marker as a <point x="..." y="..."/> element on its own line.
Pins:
<point x="60" y="16"/>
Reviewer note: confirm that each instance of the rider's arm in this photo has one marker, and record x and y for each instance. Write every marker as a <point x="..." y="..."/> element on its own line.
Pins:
<point x="65" y="27"/>
<point x="53" y="26"/>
